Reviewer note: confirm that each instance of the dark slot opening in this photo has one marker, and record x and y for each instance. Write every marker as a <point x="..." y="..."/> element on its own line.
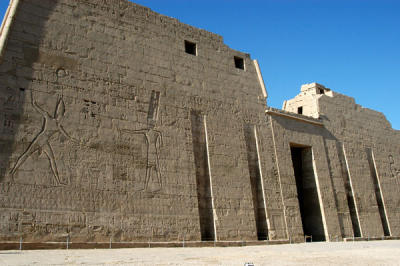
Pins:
<point x="378" y="194"/>
<point x="255" y="181"/>
<point x="342" y="215"/>
<point x="321" y="91"/>
<point x="202" y="177"/>
<point x="300" y="110"/>
<point x="239" y="62"/>
<point x="349" y="194"/>
<point x="190" y="48"/>
<point x="307" y="193"/>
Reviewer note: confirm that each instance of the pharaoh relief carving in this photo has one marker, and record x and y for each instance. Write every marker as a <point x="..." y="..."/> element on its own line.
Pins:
<point x="51" y="126"/>
<point x="154" y="141"/>
<point x="394" y="171"/>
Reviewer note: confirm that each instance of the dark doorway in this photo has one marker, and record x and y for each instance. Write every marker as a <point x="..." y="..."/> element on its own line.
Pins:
<point x="307" y="193"/>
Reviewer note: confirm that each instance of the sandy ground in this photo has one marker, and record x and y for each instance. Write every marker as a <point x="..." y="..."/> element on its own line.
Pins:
<point x="358" y="253"/>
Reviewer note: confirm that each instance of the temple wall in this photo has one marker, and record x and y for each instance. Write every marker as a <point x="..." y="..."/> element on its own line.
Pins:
<point x="273" y="187"/>
<point x="367" y="146"/>
<point x="290" y="132"/>
<point x="117" y="122"/>
<point x="366" y="133"/>
<point x="96" y="98"/>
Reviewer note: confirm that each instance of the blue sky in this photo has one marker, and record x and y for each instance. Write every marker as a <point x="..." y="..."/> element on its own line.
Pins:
<point x="350" y="46"/>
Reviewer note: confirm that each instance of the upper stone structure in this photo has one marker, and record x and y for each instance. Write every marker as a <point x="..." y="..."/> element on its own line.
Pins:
<point x="118" y="122"/>
<point x="306" y="103"/>
<point x="313" y="101"/>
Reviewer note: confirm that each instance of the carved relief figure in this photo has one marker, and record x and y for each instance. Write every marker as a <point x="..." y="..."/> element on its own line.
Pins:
<point x="51" y="126"/>
<point x="153" y="141"/>
<point x="393" y="170"/>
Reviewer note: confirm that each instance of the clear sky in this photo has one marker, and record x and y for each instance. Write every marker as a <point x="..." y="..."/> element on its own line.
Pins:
<point x="350" y="46"/>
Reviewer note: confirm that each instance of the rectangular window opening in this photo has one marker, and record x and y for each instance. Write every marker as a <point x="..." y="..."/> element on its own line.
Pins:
<point x="239" y="62"/>
<point x="300" y="110"/>
<point x="321" y="91"/>
<point x="190" y="48"/>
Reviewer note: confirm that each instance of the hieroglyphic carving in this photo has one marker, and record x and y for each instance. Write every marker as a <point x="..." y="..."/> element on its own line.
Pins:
<point x="8" y="124"/>
<point x="51" y="126"/>
<point x="153" y="142"/>
<point x="395" y="172"/>
<point x="89" y="113"/>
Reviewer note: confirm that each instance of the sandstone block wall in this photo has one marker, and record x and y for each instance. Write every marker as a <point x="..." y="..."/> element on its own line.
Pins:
<point x="111" y="126"/>
<point x="367" y="147"/>
<point x="96" y="132"/>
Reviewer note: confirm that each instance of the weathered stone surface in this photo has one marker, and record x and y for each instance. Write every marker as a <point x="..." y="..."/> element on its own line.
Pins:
<point x="109" y="128"/>
<point x="369" y="146"/>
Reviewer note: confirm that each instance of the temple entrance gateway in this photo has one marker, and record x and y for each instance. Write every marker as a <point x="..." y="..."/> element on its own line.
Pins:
<point x="307" y="193"/>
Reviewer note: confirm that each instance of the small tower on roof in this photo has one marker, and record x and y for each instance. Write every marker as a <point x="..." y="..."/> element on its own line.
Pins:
<point x="306" y="102"/>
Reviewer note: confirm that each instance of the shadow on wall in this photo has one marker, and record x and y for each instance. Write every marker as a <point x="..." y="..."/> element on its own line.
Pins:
<point x="255" y="181"/>
<point x="17" y="77"/>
